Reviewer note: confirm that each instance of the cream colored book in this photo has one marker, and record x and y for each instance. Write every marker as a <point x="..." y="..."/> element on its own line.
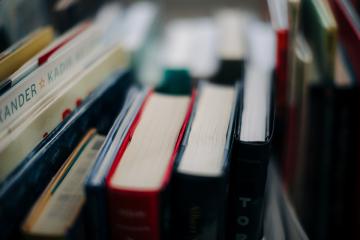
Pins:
<point x="58" y="208"/>
<point x="27" y="93"/>
<point x="26" y="132"/>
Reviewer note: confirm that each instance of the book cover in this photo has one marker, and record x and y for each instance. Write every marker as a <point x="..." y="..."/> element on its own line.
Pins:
<point x="97" y="225"/>
<point x="199" y="186"/>
<point x="348" y="22"/>
<point x="137" y="209"/>
<point x="248" y="172"/>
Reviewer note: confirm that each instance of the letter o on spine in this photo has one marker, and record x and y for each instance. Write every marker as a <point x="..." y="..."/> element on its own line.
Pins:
<point x="243" y="220"/>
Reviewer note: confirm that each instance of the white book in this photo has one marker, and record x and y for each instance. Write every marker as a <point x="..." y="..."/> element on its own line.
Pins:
<point x="27" y="132"/>
<point x="204" y="153"/>
<point x="257" y="83"/>
<point x="26" y="94"/>
<point x="232" y="25"/>
<point x="33" y="63"/>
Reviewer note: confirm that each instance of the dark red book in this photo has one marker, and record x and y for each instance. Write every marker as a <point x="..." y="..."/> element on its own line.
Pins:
<point x="279" y="19"/>
<point x="138" y="181"/>
<point x="348" y="21"/>
<point x="281" y="67"/>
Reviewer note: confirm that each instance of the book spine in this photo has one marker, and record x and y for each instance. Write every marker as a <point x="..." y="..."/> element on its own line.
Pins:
<point x="247" y="191"/>
<point x="343" y="169"/>
<point x="348" y="31"/>
<point x="96" y="213"/>
<point x="134" y="215"/>
<point x="198" y="207"/>
<point x="24" y="95"/>
<point x="281" y="69"/>
<point x="290" y="154"/>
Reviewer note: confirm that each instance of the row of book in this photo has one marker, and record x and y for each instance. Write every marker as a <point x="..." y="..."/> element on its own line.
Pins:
<point x="318" y="146"/>
<point x="116" y="129"/>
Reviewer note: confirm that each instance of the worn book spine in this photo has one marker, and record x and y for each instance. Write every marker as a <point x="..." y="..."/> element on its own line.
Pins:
<point x="198" y="207"/>
<point x="24" y="95"/>
<point x="248" y="173"/>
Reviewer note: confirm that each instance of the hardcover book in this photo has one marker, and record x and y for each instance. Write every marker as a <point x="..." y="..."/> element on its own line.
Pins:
<point x="138" y="180"/>
<point x="199" y="187"/>
<point x="97" y="225"/>
<point x="253" y="135"/>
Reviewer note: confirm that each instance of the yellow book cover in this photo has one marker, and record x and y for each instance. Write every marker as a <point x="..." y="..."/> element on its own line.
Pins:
<point x="18" y="54"/>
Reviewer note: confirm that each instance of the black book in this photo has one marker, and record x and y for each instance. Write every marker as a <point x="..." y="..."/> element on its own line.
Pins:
<point x="250" y="156"/>
<point x="199" y="187"/>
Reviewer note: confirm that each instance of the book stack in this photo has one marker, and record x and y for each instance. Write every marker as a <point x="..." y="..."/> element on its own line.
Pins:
<point x="180" y="120"/>
<point x="319" y="151"/>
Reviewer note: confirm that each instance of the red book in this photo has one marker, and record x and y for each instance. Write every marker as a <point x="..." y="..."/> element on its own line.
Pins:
<point x="348" y="21"/>
<point x="279" y="19"/>
<point x="281" y="68"/>
<point x="138" y="180"/>
<point x="292" y="144"/>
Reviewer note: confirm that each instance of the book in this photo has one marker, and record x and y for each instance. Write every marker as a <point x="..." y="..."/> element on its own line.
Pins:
<point x="139" y="26"/>
<point x="231" y="25"/>
<point x="177" y="76"/>
<point x="25" y="95"/>
<point x="348" y="21"/>
<point x="15" y="56"/>
<point x="205" y="63"/>
<point x="329" y="169"/>
<point x="294" y="92"/>
<point x="46" y="54"/>
<point x="253" y="137"/>
<point x="28" y="130"/>
<point x="293" y="170"/>
<point x="20" y="190"/>
<point x="57" y="212"/>
<point x="251" y="153"/>
<point x="140" y="175"/>
<point x="97" y="225"/>
<point x="278" y="10"/>
<point x="320" y="28"/>
<point x="184" y="36"/>
<point x="199" y="186"/>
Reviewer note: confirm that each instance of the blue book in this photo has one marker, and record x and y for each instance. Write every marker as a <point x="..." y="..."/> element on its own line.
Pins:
<point x="20" y="190"/>
<point x="96" y="209"/>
